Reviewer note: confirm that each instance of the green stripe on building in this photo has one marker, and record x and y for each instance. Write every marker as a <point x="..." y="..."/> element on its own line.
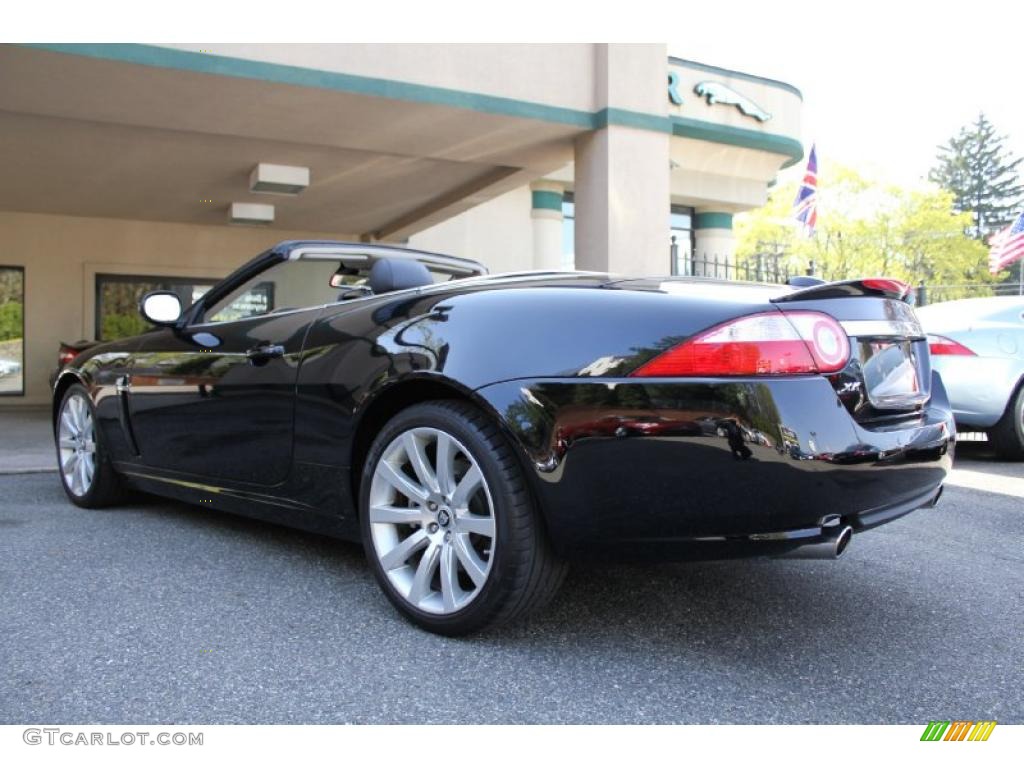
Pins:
<point x="739" y="137"/>
<point x="712" y="220"/>
<point x="286" y="74"/>
<point x="546" y="200"/>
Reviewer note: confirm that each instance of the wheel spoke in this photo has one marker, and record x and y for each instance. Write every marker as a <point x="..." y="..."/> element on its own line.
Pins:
<point x="480" y="524"/>
<point x="68" y="464"/>
<point x="475" y="567"/>
<point x="445" y="464"/>
<point x="76" y="413"/>
<point x="66" y="443"/>
<point x="467" y="487"/>
<point x="401" y="552"/>
<point x="449" y="578"/>
<point x="68" y="423"/>
<point x="418" y="459"/>
<point x="80" y="485"/>
<point x="424" y="574"/>
<point x="87" y="471"/>
<point x="398" y="480"/>
<point x="385" y="513"/>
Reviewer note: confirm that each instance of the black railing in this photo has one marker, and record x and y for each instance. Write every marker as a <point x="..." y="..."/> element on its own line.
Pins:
<point x="760" y="268"/>
<point x="773" y="267"/>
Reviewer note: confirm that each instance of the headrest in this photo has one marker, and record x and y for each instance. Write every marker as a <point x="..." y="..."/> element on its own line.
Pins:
<point x="388" y="275"/>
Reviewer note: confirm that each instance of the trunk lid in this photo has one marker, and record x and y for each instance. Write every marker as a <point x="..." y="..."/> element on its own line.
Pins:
<point x="889" y="372"/>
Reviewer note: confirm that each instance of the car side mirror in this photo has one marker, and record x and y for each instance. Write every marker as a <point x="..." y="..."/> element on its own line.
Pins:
<point x="160" y="307"/>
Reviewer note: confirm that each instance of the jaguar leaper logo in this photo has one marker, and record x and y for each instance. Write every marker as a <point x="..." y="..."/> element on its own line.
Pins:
<point x="719" y="93"/>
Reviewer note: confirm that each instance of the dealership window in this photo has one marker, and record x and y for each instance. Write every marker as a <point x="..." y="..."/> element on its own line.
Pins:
<point x="680" y="225"/>
<point x="117" y="300"/>
<point x="12" y="331"/>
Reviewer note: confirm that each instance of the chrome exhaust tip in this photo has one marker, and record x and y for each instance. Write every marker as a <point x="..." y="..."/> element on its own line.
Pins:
<point x="832" y="546"/>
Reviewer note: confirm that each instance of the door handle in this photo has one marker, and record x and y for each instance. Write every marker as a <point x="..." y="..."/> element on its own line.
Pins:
<point x="263" y="352"/>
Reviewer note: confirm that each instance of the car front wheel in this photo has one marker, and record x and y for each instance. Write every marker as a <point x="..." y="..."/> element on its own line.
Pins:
<point x="449" y="526"/>
<point x="82" y="462"/>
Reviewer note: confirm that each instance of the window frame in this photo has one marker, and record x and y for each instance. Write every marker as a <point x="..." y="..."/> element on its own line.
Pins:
<point x="100" y="277"/>
<point x="24" y="342"/>
<point x="686" y="210"/>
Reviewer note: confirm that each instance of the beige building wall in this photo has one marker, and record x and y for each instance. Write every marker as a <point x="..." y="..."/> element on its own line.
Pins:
<point x="63" y="254"/>
<point x="496" y="233"/>
<point x="561" y="75"/>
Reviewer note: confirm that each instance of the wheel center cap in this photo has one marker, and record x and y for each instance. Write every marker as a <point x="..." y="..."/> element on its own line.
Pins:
<point x="444" y="518"/>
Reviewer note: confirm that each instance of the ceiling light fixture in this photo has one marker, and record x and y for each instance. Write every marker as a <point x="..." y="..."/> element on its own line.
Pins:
<point x="278" y="179"/>
<point x="251" y="213"/>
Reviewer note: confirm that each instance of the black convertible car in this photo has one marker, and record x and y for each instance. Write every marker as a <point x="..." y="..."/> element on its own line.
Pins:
<point x="477" y="432"/>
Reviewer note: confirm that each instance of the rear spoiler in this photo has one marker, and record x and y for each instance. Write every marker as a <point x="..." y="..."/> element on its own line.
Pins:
<point x="882" y="287"/>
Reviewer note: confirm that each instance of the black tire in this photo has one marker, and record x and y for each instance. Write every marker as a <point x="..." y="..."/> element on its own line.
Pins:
<point x="105" y="487"/>
<point x="1007" y="435"/>
<point x="524" y="572"/>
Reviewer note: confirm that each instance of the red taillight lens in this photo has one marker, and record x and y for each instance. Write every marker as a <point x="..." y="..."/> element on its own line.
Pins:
<point x="769" y="344"/>
<point x="66" y="355"/>
<point x="888" y="285"/>
<point x="940" y="345"/>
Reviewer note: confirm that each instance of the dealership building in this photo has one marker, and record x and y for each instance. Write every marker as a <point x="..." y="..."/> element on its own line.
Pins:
<point x="131" y="167"/>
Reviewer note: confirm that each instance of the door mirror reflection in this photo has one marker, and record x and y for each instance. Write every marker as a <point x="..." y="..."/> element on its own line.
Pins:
<point x="160" y="307"/>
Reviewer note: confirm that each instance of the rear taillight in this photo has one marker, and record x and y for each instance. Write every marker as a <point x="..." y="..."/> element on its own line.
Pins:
<point x="887" y="285"/>
<point x="66" y="355"/>
<point x="769" y="344"/>
<point x="940" y="345"/>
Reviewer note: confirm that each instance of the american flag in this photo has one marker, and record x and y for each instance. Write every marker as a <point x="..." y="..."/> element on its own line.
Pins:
<point x="1006" y="246"/>
<point x="805" y="207"/>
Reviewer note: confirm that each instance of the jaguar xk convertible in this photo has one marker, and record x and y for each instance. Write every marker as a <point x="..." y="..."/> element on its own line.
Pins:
<point x="478" y="432"/>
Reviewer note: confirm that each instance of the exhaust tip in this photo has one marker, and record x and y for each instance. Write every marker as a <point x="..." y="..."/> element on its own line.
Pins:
<point x="843" y="540"/>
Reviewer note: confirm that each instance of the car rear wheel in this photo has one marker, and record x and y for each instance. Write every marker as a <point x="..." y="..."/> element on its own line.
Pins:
<point x="449" y="526"/>
<point x="1007" y="435"/>
<point x="82" y="461"/>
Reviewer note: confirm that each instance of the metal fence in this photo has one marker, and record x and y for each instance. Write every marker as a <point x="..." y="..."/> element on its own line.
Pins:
<point x="776" y="268"/>
<point x="760" y="268"/>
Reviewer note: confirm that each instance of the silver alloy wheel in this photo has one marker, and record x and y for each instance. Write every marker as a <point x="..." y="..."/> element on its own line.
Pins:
<point x="432" y="520"/>
<point x="76" y="441"/>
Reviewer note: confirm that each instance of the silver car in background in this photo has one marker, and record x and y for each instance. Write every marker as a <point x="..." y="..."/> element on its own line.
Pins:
<point x="977" y="346"/>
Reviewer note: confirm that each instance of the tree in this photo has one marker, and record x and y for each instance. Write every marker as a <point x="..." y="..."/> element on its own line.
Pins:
<point x="982" y="175"/>
<point x="868" y="229"/>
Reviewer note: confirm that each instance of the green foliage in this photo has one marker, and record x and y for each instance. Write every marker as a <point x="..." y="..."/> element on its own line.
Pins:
<point x="982" y="175"/>
<point x="11" y="317"/>
<point x="123" y="325"/>
<point x="12" y="285"/>
<point x="867" y="229"/>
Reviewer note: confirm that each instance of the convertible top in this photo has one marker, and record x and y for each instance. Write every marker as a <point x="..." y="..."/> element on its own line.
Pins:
<point x="372" y="252"/>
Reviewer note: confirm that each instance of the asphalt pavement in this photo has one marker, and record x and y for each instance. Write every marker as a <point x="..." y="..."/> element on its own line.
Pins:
<point x="159" y="612"/>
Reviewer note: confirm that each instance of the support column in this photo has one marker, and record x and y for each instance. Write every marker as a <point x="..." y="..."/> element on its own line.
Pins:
<point x="714" y="244"/>
<point x="622" y="172"/>
<point x="546" y="216"/>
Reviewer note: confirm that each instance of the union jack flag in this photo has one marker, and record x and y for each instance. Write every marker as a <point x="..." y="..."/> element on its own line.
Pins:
<point x="805" y="207"/>
<point x="1006" y="246"/>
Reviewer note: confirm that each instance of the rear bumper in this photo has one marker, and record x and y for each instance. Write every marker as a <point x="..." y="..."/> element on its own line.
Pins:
<point x="673" y="469"/>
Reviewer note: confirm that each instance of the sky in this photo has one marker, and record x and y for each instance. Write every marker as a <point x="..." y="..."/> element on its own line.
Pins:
<point x="884" y="83"/>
